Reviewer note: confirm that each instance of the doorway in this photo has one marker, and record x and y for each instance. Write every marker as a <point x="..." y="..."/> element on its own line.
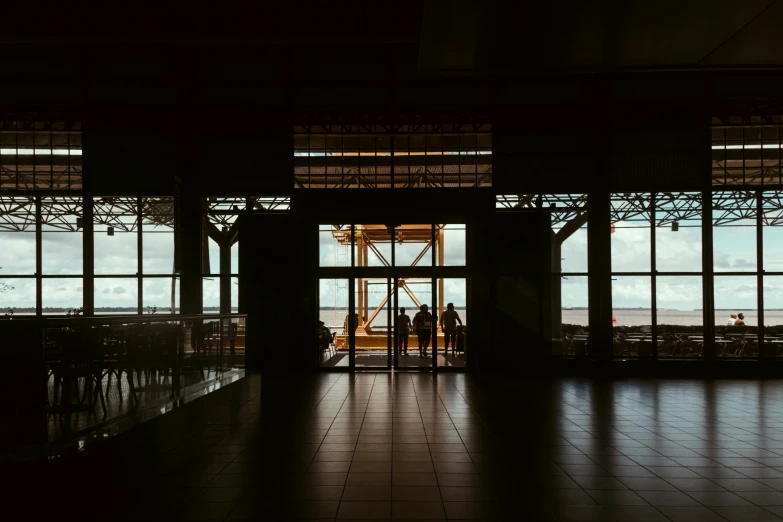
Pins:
<point x="369" y="274"/>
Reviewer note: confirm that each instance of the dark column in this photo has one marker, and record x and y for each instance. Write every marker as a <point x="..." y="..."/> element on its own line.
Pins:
<point x="88" y="257"/>
<point x="277" y="293"/>
<point x="225" y="275"/>
<point x="38" y="257"/>
<point x="600" y="270"/>
<point x="553" y="328"/>
<point x="188" y="227"/>
<point x="481" y="300"/>
<point x="707" y="278"/>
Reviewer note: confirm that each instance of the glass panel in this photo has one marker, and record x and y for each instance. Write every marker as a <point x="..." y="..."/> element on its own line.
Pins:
<point x="373" y="245"/>
<point x="412" y="245"/>
<point x="632" y="315"/>
<point x="334" y="245"/>
<point x="569" y="243"/>
<point x="214" y="258"/>
<point x="630" y="232"/>
<point x="17" y="236"/>
<point x="234" y="295"/>
<point x="372" y="308"/>
<point x="773" y="316"/>
<point x="117" y="253"/>
<point x="452" y="322"/>
<point x="411" y="294"/>
<point x="678" y="232"/>
<point x="680" y="316"/>
<point x="570" y="315"/>
<point x="160" y="295"/>
<point x="210" y="291"/>
<point x="773" y="231"/>
<point x="453" y="245"/>
<point x="116" y="296"/>
<point x="235" y="258"/>
<point x="62" y="296"/>
<point x="736" y="295"/>
<point x="734" y="231"/>
<point x="61" y="241"/>
<point x="116" y="242"/>
<point x="332" y="334"/>
<point x="17" y="296"/>
<point x="158" y="236"/>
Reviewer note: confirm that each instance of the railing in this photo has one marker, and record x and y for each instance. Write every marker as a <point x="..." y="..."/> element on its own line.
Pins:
<point x="72" y="374"/>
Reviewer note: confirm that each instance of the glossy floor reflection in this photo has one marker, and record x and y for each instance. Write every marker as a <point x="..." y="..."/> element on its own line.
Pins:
<point x="423" y="446"/>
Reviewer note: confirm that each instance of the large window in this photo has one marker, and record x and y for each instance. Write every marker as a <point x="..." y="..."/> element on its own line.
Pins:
<point x="438" y="153"/>
<point x="134" y="255"/>
<point x="657" y="295"/>
<point x="49" y="283"/>
<point x="17" y="255"/>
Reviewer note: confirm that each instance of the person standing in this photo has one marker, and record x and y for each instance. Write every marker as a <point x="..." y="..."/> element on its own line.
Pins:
<point x="448" y="323"/>
<point x="740" y="320"/>
<point x="732" y="320"/>
<point x="422" y="323"/>
<point x="403" y="330"/>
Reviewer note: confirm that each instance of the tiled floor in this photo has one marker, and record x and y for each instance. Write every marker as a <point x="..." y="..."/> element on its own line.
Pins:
<point x="427" y="447"/>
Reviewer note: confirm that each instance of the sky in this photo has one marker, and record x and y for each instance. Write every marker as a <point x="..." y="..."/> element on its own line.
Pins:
<point x="680" y="251"/>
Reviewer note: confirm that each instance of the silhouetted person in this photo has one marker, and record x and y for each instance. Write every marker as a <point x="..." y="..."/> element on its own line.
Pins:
<point x="448" y="323"/>
<point x="403" y="330"/>
<point x="324" y="336"/>
<point x="740" y="320"/>
<point x="422" y="323"/>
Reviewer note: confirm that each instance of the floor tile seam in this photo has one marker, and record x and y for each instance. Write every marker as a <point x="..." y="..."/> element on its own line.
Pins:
<point x="474" y="413"/>
<point x="345" y="484"/>
<point x="320" y="444"/>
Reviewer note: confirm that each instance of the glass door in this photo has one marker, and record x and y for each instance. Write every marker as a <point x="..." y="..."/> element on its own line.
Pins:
<point x="415" y="332"/>
<point x="373" y="317"/>
<point x="374" y="284"/>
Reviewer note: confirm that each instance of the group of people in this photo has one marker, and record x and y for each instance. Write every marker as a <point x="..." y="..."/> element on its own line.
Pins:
<point x="737" y="320"/>
<point x="422" y="325"/>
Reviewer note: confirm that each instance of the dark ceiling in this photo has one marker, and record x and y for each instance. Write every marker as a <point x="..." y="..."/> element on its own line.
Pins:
<point x="466" y="37"/>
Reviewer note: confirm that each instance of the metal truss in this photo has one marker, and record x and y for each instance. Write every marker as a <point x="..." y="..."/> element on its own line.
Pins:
<point x="17" y="214"/>
<point x="669" y="207"/>
<point x="62" y="213"/>
<point x="122" y="213"/>
<point x="563" y="207"/>
<point x="634" y="206"/>
<point x="772" y="208"/>
<point x="223" y="211"/>
<point x="677" y="206"/>
<point x="732" y="206"/>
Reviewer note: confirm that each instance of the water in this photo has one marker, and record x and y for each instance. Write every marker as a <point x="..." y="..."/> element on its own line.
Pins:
<point x="334" y="318"/>
<point x="674" y="317"/>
